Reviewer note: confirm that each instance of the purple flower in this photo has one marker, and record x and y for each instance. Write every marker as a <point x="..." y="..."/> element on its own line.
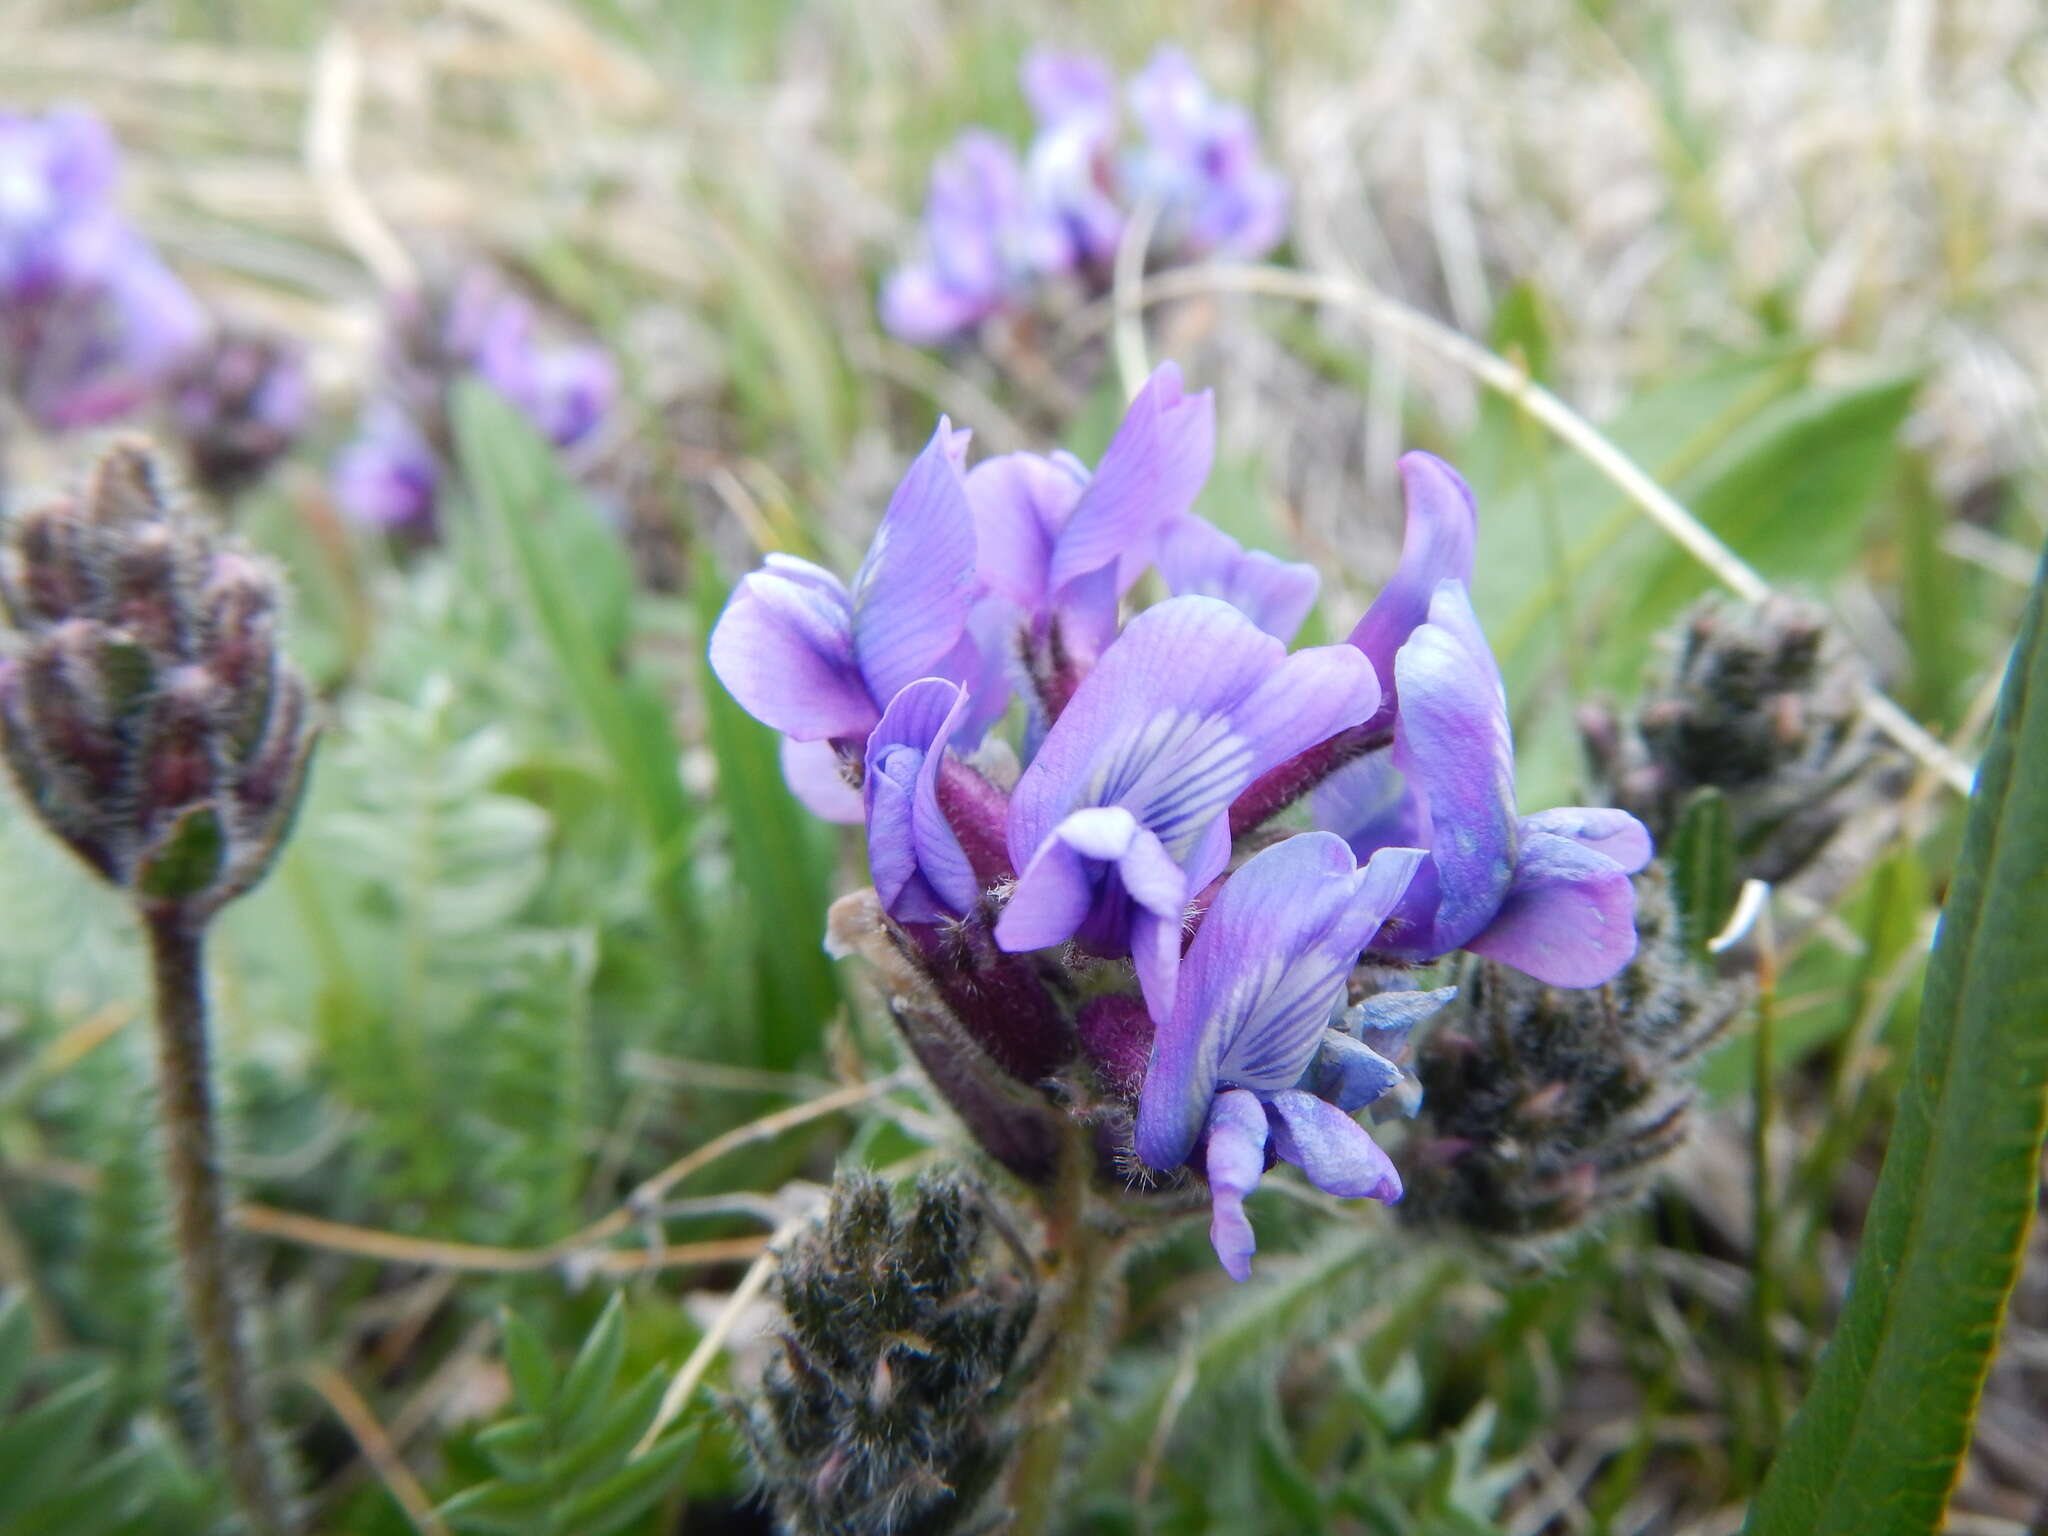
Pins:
<point x="984" y="242"/>
<point x="564" y="391"/>
<point x="1121" y="818"/>
<point x="1235" y="1063"/>
<point x="389" y="477"/>
<point x="1201" y="160"/>
<point x="819" y="661"/>
<point x="91" y="321"/>
<point x="1197" y="557"/>
<point x="1071" y="169"/>
<point x="57" y="224"/>
<point x="1548" y="894"/>
<point x="1061" y="546"/>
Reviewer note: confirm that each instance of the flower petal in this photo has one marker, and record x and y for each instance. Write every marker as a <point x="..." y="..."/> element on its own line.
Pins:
<point x="914" y="590"/>
<point x="1350" y="1074"/>
<point x="1451" y="742"/>
<point x="1235" y="1162"/>
<point x="784" y="649"/>
<point x="1019" y="503"/>
<point x="1569" y="917"/>
<point x="1151" y="472"/>
<point x="1196" y="556"/>
<point x="816" y="775"/>
<point x="917" y="306"/>
<point x="1443" y="526"/>
<point x="1615" y="833"/>
<point x="1335" y="1151"/>
<point x="1062" y="884"/>
<point x="919" y="868"/>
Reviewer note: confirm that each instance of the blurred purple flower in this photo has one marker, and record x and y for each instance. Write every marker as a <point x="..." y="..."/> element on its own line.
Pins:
<point x="1234" y="1063"/>
<point x="1121" y="818"/>
<point x="91" y="321"/>
<point x="1197" y="557"/>
<point x="389" y="477"/>
<point x="1548" y="894"/>
<point x="565" y="391"/>
<point x="1071" y="168"/>
<point x="985" y="241"/>
<point x="819" y="661"/>
<point x="1201" y="160"/>
<point x="1061" y="546"/>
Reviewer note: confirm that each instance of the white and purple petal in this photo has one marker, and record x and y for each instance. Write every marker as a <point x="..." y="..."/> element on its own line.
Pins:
<point x="784" y="649"/>
<point x="1568" y="918"/>
<point x="1442" y="529"/>
<point x="920" y="871"/>
<point x="1335" y="1151"/>
<point x="911" y="599"/>
<point x="816" y="775"/>
<point x="1197" y="557"/>
<point x="1235" y="1161"/>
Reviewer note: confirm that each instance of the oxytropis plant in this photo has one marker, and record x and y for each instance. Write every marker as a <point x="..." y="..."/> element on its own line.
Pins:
<point x="1168" y="930"/>
<point x="1000" y="232"/>
<point x="151" y="723"/>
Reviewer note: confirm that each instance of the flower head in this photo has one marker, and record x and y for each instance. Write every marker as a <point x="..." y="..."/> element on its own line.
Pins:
<point x="1071" y="168"/>
<point x="1201" y="160"/>
<point x="91" y="320"/>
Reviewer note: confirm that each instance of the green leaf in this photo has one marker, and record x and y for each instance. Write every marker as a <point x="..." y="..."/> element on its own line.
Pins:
<point x="594" y="1369"/>
<point x="785" y="866"/>
<point x="187" y="859"/>
<point x="40" y="1447"/>
<point x="1703" y="867"/>
<point x="17" y="1334"/>
<point x="1876" y="1446"/>
<point x="577" y="582"/>
<point x="526" y="1359"/>
<point x="629" y="1491"/>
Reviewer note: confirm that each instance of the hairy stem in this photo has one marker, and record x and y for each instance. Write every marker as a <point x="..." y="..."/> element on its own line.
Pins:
<point x="199" y="1216"/>
<point x="1086" y="1258"/>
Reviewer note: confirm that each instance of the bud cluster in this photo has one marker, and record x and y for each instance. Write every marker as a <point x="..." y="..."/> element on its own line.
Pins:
<point x="1543" y="1109"/>
<point x="239" y="404"/>
<point x="885" y="1411"/>
<point x="1759" y="701"/>
<point x="145" y="711"/>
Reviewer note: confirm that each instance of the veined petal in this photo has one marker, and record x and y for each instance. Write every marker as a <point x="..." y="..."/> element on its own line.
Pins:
<point x="815" y="775"/>
<point x="1335" y="1151"/>
<point x="919" y="868"/>
<point x="1384" y="1020"/>
<point x="1260" y="982"/>
<point x="1443" y="526"/>
<point x="1349" y="1073"/>
<point x="1451" y="741"/>
<point x="1235" y="1163"/>
<point x="914" y="590"/>
<point x="1569" y="916"/>
<point x="1151" y="472"/>
<point x="1197" y="557"/>
<point x="1604" y="830"/>
<point x="784" y="649"/>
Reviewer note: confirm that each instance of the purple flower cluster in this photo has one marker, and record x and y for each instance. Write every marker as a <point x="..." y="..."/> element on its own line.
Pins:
<point x="91" y="320"/>
<point x="1131" y="859"/>
<point x="998" y="226"/>
<point x="391" y="475"/>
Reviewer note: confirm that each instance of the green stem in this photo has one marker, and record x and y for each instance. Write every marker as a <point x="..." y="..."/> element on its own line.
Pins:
<point x="1763" y="1293"/>
<point x="1087" y="1265"/>
<point x="199" y="1216"/>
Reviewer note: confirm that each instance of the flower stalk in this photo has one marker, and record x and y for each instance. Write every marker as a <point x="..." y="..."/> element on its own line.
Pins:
<point x="214" y="1307"/>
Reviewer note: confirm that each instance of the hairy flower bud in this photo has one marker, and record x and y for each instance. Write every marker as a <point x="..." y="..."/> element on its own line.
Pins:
<point x="1759" y="701"/>
<point x="146" y="714"/>
<point x="1545" y="1108"/>
<point x="885" y="1412"/>
<point x="239" y="405"/>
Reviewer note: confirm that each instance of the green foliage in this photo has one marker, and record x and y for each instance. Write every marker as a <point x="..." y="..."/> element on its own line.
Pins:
<point x="1702" y="855"/>
<point x="65" y="1470"/>
<point x="568" y="1462"/>
<point x="1875" y="1447"/>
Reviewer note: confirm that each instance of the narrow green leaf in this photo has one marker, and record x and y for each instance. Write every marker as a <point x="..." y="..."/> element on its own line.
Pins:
<point x="526" y="1358"/>
<point x="628" y="1492"/>
<point x="1703" y="867"/>
<point x="1876" y="1446"/>
<point x="578" y="585"/>
<point x="17" y="1334"/>
<point x="39" y="1448"/>
<point x="594" y="1369"/>
<point x="783" y="863"/>
<point x="515" y="1448"/>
